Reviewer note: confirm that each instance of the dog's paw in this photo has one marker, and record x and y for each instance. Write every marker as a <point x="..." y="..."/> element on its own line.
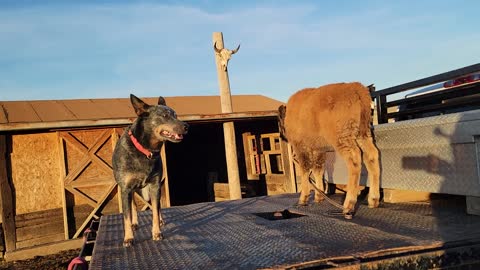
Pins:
<point x="134" y="227"/>
<point x="157" y="236"/>
<point x="127" y="242"/>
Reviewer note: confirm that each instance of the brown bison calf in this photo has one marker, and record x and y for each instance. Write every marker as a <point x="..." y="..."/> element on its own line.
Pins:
<point x="338" y="116"/>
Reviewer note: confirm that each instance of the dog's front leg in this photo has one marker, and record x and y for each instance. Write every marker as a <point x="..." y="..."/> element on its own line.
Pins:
<point x="157" y="220"/>
<point x="134" y="214"/>
<point x="127" y="217"/>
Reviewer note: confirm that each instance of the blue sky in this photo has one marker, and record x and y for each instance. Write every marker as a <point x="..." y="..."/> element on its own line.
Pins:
<point x="109" y="49"/>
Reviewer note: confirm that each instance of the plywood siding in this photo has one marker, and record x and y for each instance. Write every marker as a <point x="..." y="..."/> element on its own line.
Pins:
<point x="35" y="172"/>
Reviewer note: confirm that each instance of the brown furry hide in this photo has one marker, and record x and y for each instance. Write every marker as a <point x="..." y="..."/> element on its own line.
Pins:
<point x="334" y="116"/>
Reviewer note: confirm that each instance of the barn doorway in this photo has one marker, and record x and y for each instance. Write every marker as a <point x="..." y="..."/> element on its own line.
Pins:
<point x="196" y="163"/>
<point x="191" y="162"/>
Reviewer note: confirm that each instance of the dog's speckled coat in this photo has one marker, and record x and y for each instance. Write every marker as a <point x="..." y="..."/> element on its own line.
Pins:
<point x="133" y="170"/>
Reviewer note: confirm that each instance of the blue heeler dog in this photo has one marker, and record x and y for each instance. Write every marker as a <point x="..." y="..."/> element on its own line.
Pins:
<point x="137" y="165"/>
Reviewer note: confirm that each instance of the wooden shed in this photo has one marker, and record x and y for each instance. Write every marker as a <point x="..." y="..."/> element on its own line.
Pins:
<point x="55" y="161"/>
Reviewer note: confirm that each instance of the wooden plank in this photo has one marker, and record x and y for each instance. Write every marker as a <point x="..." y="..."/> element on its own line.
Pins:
<point x="287" y="164"/>
<point x="36" y="218"/>
<point x="268" y="166"/>
<point x="276" y="184"/>
<point x="63" y="175"/>
<point x="115" y="137"/>
<point x="73" y="174"/>
<point x="221" y="191"/>
<point x="91" y="183"/>
<point x="165" y="199"/>
<point x="57" y="125"/>
<point x="53" y="226"/>
<point x="293" y="180"/>
<point x="397" y="196"/>
<point x="43" y="239"/>
<point x="248" y="154"/>
<point x="97" y="145"/>
<point x="88" y="200"/>
<point x="43" y="250"/>
<point x="6" y="199"/>
<point x="93" y="212"/>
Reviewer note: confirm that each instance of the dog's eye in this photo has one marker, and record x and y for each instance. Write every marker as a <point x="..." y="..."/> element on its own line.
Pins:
<point x="165" y="115"/>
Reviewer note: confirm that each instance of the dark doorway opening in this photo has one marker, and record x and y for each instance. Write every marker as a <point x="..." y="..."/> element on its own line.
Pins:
<point x="190" y="162"/>
<point x="199" y="160"/>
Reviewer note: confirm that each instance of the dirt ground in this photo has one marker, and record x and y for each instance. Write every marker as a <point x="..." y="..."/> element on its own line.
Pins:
<point x="49" y="262"/>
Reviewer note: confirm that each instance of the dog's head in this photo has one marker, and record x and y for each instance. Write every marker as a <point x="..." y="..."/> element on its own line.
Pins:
<point x="160" y="120"/>
<point x="282" y="111"/>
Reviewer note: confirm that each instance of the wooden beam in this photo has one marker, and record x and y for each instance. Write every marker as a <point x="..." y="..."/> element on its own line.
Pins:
<point x="228" y="127"/>
<point x="62" y="125"/>
<point x="293" y="180"/>
<point x="94" y="211"/>
<point x="165" y="188"/>
<point x="63" y="175"/>
<point x="116" y="133"/>
<point x="42" y="250"/>
<point x="6" y="199"/>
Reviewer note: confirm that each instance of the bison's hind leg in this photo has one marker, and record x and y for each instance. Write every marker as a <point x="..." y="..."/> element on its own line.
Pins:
<point x="318" y="172"/>
<point x="371" y="160"/>
<point x="305" y="187"/>
<point x="353" y="159"/>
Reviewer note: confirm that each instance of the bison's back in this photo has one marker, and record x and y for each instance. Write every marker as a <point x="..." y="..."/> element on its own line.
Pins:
<point x="321" y="116"/>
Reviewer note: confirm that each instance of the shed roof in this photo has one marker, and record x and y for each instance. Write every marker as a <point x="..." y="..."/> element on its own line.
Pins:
<point x="45" y="114"/>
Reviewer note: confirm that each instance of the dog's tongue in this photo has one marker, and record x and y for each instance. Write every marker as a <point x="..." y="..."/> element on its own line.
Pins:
<point x="178" y="136"/>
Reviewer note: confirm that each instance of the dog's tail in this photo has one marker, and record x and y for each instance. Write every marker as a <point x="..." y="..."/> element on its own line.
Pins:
<point x="145" y="194"/>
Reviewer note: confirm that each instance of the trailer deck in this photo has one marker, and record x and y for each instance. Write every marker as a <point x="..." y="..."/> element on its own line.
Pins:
<point x="245" y="234"/>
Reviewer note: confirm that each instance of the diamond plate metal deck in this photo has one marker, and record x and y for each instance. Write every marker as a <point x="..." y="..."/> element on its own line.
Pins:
<point x="227" y="235"/>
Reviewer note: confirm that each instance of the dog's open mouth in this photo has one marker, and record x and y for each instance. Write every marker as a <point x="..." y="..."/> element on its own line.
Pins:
<point x="172" y="136"/>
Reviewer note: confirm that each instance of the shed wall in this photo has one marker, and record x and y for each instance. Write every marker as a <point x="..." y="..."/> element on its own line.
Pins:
<point x="35" y="171"/>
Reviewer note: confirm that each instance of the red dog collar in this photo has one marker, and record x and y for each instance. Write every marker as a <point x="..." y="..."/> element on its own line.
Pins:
<point x="139" y="147"/>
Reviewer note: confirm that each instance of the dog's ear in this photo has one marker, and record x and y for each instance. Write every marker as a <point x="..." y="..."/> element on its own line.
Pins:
<point x="161" y="101"/>
<point x="141" y="108"/>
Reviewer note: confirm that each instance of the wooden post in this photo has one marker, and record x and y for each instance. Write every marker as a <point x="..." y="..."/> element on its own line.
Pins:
<point x="63" y="174"/>
<point x="228" y="127"/>
<point x="288" y="169"/>
<point x="6" y="199"/>
<point x="165" y="198"/>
